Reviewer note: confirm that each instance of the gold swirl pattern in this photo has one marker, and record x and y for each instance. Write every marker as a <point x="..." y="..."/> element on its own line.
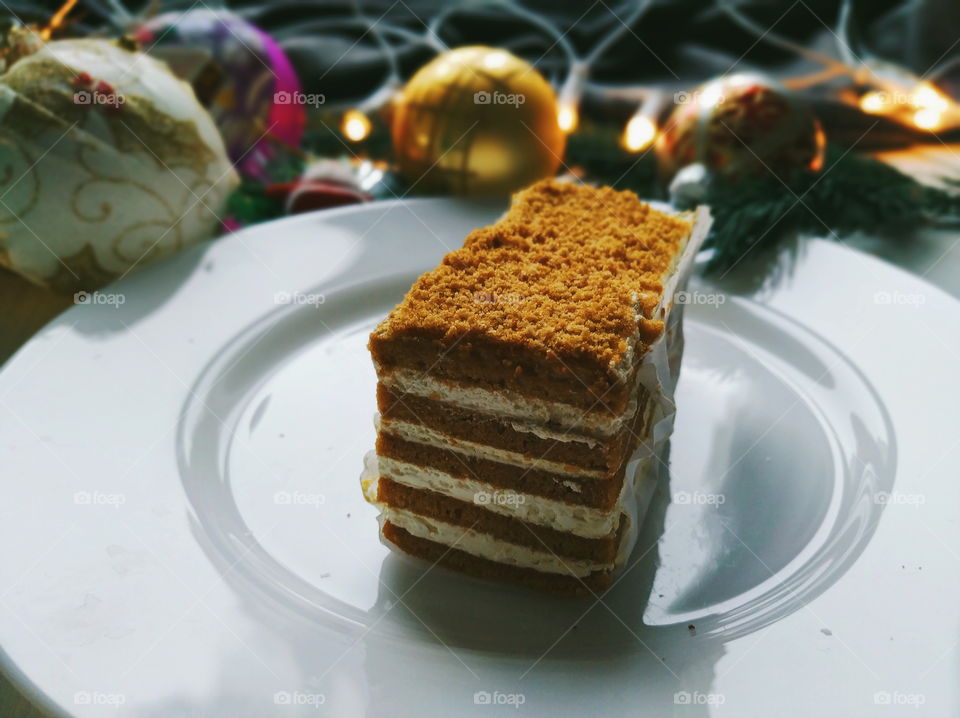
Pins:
<point x="90" y="192"/>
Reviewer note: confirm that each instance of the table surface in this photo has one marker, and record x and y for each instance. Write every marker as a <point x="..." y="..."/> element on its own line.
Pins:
<point x="930" y="253"/>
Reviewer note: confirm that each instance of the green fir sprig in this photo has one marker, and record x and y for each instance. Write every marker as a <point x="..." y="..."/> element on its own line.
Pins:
<point x="852" y="193"/>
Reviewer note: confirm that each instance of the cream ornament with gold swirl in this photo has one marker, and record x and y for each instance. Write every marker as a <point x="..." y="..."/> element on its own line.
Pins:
<point x="107" y="162"/>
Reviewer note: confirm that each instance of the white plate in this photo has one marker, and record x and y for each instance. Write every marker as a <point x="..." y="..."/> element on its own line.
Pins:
<point x="184" y="533"/>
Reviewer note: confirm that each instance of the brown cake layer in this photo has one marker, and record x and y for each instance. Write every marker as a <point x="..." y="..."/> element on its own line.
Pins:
<point x="484" y="429"/>
<point x="545" y="301"/>
<point x="487" y="364"/>
<point x="459" y="513"/>
<point x="598" y="493"/>
<point x="464" y="562"/>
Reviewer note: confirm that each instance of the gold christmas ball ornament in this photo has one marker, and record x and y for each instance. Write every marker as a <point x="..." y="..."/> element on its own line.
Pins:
<point x="476" y="121"/>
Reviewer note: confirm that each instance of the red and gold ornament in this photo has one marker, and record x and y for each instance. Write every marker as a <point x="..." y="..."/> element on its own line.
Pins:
<point x="740" y="125"/>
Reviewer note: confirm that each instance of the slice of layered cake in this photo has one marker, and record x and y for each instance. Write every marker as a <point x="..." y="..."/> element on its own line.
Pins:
<point x="525" y="389"/>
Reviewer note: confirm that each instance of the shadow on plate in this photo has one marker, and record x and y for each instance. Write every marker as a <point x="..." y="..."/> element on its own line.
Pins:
<point x="480" y="615"/>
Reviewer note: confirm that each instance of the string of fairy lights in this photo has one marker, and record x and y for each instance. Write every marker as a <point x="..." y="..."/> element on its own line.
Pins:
<point x="639" y="132"/>
<point x="874" y="86"/>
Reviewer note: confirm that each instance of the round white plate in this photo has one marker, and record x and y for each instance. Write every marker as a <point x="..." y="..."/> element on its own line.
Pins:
<point x="184" y="533"/>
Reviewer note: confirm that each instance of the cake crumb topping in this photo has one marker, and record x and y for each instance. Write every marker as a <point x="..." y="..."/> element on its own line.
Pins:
<point x="563" y="274"/>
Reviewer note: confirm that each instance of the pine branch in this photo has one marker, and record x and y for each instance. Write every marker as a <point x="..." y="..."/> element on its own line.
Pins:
<point x="852" y="193"/>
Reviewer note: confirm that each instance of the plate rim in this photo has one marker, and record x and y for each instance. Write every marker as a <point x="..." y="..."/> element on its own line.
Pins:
<point x="29" y="687"/>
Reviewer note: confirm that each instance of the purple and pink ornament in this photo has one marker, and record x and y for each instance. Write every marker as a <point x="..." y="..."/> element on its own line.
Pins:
<point x="240" y="74"/>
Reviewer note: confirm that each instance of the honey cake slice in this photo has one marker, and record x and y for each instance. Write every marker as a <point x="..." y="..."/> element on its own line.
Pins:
<point x="521" y="383"/>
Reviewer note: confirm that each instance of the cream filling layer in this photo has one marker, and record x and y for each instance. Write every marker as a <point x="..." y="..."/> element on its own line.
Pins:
<point x="420" y="434"/>
<point x="488" y="547"/>
<point x="507" y="404"/>
<point x="585" y="521"/>
<point x="543" y="432"/>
